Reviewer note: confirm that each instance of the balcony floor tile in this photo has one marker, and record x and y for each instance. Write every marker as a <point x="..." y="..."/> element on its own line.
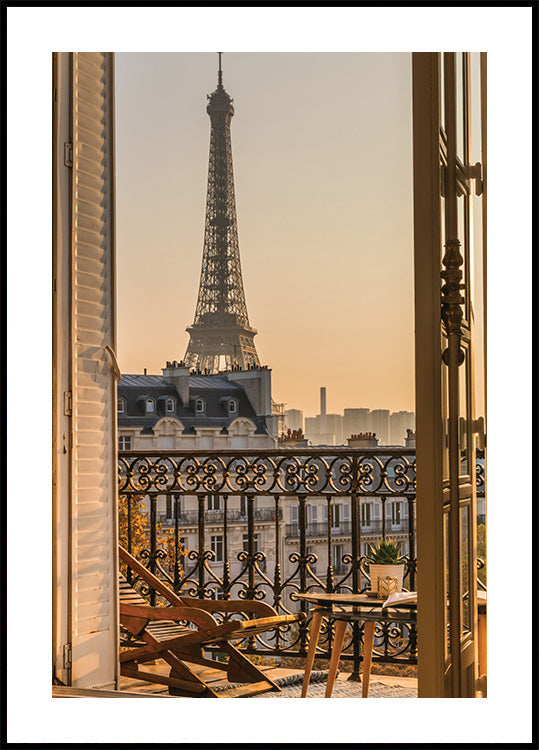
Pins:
<point x="381" y="686"/>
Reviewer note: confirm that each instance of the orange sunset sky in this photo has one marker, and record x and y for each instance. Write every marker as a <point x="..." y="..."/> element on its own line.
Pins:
<point x="322" y="156"/>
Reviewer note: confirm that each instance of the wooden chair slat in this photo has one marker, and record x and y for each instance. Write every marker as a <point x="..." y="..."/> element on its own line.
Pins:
<point x="176" y="643"/>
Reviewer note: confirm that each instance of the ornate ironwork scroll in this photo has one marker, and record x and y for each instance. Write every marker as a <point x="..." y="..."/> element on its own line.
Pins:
<point x="292" y="476"/>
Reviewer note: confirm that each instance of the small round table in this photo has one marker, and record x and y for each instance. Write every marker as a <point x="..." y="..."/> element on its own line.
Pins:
<point x="359" y="607"/>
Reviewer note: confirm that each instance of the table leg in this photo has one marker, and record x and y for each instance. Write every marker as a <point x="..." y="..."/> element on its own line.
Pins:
<point x="340" y="630"/>
<point x="313" y="641"/>
<point x="368" y="642"/>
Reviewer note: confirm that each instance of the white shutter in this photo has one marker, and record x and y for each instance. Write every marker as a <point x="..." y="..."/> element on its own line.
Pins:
<point x="94" y="622"/>
<point x="345" y="512"/>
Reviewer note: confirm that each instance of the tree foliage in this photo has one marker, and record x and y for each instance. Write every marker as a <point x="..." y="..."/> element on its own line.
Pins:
<point x="140" y="532"/>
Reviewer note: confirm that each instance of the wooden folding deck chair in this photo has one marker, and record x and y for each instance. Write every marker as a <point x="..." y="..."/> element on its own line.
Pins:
<point x="158" y="634"/>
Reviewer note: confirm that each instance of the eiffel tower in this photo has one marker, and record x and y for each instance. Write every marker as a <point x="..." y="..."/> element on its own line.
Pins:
<point x="221" y="337"/>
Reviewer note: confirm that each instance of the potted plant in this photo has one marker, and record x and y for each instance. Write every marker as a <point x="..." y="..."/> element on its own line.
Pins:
<point x="384" y="560"/>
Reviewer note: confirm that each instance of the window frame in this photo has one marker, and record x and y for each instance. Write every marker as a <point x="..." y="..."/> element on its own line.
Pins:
<point x="217" y="546"/>
<point x="257" y="538"/>
<point x="366" y="514"/>
<point x="212" y="500"/>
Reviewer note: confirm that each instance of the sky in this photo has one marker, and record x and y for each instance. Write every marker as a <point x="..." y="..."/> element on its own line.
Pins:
<point x="321" y="145"/>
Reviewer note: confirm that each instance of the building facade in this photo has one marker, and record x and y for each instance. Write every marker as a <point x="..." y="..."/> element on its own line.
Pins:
<point x="179" y="410"/>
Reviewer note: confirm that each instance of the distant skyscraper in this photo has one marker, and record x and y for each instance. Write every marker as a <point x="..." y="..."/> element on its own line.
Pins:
<point x="221" y="337"/>
<point x="380" y="425"/>
<point x="324" y="429"/>
<point x="322" y="401"/>
<point x="356" y="421"/>
<point x="334" y="427"/>
<point x="294" y="419"/>
<point x="399" y="422"/>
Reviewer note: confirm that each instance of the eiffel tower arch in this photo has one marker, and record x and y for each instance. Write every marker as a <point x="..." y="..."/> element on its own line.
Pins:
<point x="220" y="336"/>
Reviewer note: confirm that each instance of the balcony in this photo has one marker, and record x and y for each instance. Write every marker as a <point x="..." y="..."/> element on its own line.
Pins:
<point x="212" y="517"/>
<point x="344" y="528"/>
<point x="274" y="573"/>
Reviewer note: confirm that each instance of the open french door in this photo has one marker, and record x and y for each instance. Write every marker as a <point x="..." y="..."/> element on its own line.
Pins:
<point x="449" y="129"/>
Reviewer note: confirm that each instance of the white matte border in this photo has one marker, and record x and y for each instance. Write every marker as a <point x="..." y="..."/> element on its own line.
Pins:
<point x="33" y="34"/>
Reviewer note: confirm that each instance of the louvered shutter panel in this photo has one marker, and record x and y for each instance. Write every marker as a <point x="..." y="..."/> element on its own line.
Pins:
<point x="94" y="623"/>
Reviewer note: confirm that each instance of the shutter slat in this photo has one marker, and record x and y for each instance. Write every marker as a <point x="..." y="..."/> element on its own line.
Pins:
<point x="94" y="573"/>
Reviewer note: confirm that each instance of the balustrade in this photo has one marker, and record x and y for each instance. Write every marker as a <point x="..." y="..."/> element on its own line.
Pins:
<point x="277" y="569"/>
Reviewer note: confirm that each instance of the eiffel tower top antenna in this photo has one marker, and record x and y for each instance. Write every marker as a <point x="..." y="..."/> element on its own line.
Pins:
<point x="220" y="74"/>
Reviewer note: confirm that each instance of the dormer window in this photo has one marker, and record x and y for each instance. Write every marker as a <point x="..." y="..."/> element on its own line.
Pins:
<point x="121" y="406"/>
<point x="200" y="406"/>
<point x="150" y="406"/>
<point x="232" y="406"/>
<point x="169" y="406"/>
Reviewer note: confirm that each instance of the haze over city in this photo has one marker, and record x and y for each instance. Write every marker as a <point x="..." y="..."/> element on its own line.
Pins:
<point x="321" y="145"/>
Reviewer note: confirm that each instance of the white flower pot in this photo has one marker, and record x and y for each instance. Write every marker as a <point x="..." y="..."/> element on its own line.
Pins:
<point x="381" y="571"/>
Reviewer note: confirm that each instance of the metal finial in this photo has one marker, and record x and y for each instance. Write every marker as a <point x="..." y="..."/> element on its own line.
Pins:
<point x="220" y="77"/>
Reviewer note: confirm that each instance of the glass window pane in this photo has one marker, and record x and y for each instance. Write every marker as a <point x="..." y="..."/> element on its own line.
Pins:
<point x="442" y="89"/>
<point x="465" y="569"/>
<point x="464" y="238"/>
<point x="476" y="238"/>
<point x="446" y="579"/>
<point x="463" y="411"/>
<point x="459" y="103"/>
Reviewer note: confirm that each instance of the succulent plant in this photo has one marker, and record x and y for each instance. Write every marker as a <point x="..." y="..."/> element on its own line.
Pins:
<point x="386" y="552"/>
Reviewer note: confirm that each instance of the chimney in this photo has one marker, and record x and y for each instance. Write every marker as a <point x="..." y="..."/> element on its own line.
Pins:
<point x="363" y="440"/>
<point x="409" y="440"/>
<point x="323" y="402"/>
<point x="177" y="374"/>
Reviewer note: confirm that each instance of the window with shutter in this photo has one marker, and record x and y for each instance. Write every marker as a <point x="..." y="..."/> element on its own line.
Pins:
<point x="336" y="515"/>
<point x="214" y="502"/>
<point x="84" y="270"/>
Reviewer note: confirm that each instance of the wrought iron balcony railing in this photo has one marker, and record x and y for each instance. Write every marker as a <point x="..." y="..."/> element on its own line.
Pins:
<point x="273" y="573"/>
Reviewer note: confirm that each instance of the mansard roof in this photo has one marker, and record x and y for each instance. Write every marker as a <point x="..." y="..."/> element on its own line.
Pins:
<point x="216" y="391"/>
